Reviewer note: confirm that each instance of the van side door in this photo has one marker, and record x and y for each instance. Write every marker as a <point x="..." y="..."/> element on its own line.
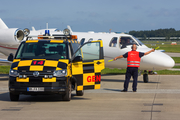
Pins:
<point x="87" y="63"/>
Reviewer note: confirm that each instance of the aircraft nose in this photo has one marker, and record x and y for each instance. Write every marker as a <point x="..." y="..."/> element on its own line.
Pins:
<point x="158" y="61"/>
<point x="164" y="61"/>
<point x="170" y="63"/>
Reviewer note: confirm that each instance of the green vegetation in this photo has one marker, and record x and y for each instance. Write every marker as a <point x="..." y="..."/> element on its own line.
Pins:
<point x="4" y="69"/>
<point x="167" y="72"/>
<point x="171" y="32"/>
<point x="176" y="59"/>
<point x="176" y="67"/>
<point x="166" y="47"/>
<point x="114" y="71"/>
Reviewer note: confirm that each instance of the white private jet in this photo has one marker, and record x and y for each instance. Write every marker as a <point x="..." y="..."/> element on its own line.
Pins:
<point x="113" y="44"/>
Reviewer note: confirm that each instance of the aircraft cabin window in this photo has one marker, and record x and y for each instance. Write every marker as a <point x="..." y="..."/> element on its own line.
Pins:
<point x="91" y="39"/>
<point x="113" y="42"/>
<point x="82" y="41"/>
<point x="126" y="41"/>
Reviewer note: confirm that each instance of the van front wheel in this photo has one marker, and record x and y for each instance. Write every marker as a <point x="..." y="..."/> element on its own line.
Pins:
<point x="67" y="95"/>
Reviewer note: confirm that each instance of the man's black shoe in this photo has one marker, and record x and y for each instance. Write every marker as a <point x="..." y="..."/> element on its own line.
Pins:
<point x="124" y="91"/>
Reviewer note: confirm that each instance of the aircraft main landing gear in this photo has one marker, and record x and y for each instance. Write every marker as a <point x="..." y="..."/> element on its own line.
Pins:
<point x="145" y="76"/>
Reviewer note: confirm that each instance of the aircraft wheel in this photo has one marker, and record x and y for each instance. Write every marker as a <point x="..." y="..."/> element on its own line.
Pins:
<point x="80" y="93"/>
<point x="14" y="97"/>
<point x="145" y="78"/>
<point x="67" y="96"/>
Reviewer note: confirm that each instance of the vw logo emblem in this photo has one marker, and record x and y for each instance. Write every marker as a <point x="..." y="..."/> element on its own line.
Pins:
<point x="36" y="74"/>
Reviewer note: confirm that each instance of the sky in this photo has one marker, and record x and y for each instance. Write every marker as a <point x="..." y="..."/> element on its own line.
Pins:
<point x="92" y="15"/>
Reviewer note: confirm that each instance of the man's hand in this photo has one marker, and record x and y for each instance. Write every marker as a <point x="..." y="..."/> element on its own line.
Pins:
<point x="118" y="57"/>
<point x="115" y="59"/>
<point x="146" y="53"/>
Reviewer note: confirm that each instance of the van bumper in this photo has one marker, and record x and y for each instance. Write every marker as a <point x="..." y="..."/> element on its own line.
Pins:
<point x="38" y="87"/>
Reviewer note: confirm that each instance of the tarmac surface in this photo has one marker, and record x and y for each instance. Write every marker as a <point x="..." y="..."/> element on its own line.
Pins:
<point x="173" y="54"/>
<point x="157" y="100"/>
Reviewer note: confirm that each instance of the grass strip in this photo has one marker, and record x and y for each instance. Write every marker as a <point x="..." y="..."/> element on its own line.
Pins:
<point x="176" y="59"/>
<point x="166" y="47"/>
<point x="168" y="72"/>
<point x="4" y="69"/>
<point x="116" y="71"/>
<point x="176" y="67"/>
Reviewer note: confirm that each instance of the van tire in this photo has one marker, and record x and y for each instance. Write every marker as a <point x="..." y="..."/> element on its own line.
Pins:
<point x="67" y="95"/>
<point x="14" y="97"/>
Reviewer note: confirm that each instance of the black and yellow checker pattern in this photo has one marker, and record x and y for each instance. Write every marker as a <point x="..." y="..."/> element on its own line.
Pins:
<point x="88" y="73"/>
<point x="45" y="65"/>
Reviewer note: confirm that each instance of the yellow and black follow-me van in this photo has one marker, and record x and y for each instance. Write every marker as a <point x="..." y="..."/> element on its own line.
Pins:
<point x="53" y="66"/>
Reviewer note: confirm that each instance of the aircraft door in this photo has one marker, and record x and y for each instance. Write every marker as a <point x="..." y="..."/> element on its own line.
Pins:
<point x="87" y="71"/>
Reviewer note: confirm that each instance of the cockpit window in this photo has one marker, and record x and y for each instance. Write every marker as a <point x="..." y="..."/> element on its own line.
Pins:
<point x="126" y="41"/>
<point x="42" y="50"/>
<point x="140" y="43"/>
<point x="113" y="42"/>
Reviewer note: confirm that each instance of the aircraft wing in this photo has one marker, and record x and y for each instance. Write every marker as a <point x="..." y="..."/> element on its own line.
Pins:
<point x="4" y="62"/>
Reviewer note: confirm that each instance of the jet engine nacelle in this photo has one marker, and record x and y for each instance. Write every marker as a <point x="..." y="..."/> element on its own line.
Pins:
<point x="11" y="36"/>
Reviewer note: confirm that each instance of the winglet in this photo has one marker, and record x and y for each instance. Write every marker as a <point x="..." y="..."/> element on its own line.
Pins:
<point x="3" y="25"/>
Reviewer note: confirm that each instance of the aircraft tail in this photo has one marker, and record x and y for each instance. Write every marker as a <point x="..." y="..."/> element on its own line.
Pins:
<point x="3" y="25"/>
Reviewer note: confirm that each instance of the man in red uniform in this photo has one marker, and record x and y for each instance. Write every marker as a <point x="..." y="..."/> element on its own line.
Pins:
<point x="133" y="62"/>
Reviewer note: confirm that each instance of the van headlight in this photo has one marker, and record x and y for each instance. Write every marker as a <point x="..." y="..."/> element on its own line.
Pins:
<point x="60" y="73"/>
<point x="13" y="73"/>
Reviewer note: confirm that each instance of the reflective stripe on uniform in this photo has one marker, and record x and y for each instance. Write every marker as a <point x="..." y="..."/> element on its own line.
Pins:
<point x="134" y="61"/>
<point x="134" y="64"/>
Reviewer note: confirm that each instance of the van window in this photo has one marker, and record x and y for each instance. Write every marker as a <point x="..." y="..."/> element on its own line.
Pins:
<point x="42" y="50"/>
<point x="90" y="51"/>
<point x="75" y="46"/>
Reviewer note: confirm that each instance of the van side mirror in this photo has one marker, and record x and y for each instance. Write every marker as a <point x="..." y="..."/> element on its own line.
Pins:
<point x="10" y="57"/>
<point x="77" y="58"/>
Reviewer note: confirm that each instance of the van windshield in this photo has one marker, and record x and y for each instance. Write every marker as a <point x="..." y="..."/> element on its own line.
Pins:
<point x="42" y="50"/>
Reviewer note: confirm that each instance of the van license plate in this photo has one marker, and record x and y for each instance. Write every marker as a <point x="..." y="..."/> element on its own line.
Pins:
<point x="35" y="89"/>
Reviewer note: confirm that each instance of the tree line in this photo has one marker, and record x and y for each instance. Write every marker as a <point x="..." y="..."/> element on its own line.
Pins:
<point x="171" y="32"/>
